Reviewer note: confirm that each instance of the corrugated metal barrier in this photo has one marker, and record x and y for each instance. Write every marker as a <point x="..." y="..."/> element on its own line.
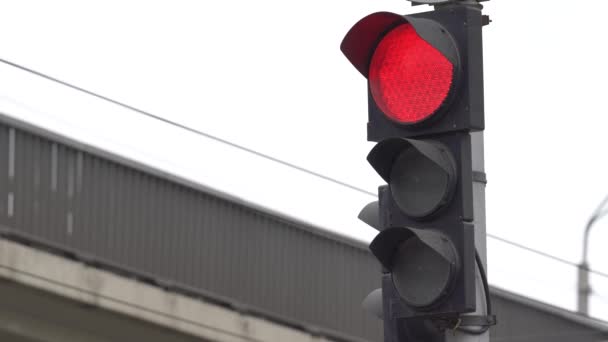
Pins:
<point x="109" y="213"/>
<point x="120" y="215"/>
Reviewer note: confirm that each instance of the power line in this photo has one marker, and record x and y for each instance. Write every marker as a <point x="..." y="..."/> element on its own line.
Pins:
<point x="259" y="154"/>
<point x="190" y="129"/>
<point x="546" y="255"/>
<point x="535" y="251"/>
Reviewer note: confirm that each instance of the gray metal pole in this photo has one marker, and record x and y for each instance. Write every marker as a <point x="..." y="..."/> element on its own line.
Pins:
<point x="479" y="215"/>
<point x="584" y="289"/>
<point x="479" y="205"/>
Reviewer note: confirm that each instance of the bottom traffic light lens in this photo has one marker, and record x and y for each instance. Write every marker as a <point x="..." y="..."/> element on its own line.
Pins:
<point x="423" y="270"/>
<point x="422" y="179"/>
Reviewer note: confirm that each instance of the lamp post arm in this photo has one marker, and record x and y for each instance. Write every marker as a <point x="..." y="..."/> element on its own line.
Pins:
<point x="584" y="290"/>
<point x="597" y="214"/>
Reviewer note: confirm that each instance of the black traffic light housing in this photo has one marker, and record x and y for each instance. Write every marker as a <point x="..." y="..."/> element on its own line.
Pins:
<point x="444" y="288"/>
<point x="426" y="239"/>
<point x="453" y="30"/>
<point x="444" y="229"/>
<point x="458" y="205"/>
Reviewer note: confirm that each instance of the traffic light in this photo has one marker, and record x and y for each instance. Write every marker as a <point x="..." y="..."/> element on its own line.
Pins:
<point x="425" y="96"/>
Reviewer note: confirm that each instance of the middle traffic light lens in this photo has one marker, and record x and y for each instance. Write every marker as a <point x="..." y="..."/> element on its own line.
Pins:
<point x="422" y="179"/>
<point x="409" y="79"/>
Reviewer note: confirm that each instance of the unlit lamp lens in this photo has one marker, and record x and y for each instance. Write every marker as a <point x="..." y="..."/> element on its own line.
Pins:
<point x="422" y="273"/>
<point x="422" y="180"/>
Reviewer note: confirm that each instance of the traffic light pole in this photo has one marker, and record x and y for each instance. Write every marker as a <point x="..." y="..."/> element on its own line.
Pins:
<point x="479" y="205"/>
<point x="479" y="212"/>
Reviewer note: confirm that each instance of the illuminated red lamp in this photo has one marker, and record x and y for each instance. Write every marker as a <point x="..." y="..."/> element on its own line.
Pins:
<point x="410" y="79"/>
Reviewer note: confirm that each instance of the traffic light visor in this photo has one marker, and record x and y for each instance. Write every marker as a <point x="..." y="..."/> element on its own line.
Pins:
<point x="423" y="263"/>
<point x="412" y="64"/>
<point x="420" y="174"/>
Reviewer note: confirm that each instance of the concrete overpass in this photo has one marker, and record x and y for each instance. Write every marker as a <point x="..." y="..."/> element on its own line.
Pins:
<point x="95" y="247"/>
<point x="48" y="297"/>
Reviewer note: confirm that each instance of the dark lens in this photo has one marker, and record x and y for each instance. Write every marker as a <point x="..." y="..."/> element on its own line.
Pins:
<point x="421" y="274"/>
<point x="418" y="184"/>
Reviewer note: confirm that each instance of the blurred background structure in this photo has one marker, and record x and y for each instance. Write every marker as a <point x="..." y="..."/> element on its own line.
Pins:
<point x="120" y="226"/>
<point x="96" y="247"/>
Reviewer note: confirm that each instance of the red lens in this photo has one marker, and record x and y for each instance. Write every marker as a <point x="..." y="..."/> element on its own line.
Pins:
<point x="409" y="79"/>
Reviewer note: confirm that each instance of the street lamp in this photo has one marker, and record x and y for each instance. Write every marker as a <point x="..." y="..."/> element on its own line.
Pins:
<point x="584" y="290"/>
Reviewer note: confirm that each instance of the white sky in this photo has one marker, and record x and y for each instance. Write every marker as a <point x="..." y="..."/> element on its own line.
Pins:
<point x="269" y="75"/>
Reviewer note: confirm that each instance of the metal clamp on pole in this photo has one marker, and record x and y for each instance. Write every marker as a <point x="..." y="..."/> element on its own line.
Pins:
<point x="482" y="322"/>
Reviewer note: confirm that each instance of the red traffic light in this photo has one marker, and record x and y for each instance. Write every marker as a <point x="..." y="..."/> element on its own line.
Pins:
<point x="412" y="64"/>
<point x="425" y="95"/>
<point x="409" y="79"/>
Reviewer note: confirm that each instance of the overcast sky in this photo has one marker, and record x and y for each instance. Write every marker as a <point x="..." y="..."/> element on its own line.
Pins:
<point x="269" y="75"/>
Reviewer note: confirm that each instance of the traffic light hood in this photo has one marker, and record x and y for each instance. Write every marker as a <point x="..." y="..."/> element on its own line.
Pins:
<point x="370" y="214"/>
<point x="383" y="156"/>
<point x="362" y="39"/>
<point x="387" y="243"/>
<point x="424" y="264"/>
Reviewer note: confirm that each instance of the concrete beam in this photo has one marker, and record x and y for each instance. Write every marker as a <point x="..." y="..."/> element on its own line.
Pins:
<point x="108" y="291"/>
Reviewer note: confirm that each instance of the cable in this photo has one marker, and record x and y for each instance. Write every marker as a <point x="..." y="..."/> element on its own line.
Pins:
<point x="529" y="249"/>
<point x="486" y="290"/>
<point x="256" y="153"/>
<point x="189" y="129"/>
<point x="535" y="251"/>
<point x="486" y="287"/>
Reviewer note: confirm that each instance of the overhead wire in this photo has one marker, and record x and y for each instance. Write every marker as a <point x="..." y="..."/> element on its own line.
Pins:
<point x="532" y="250"/>
<point x="544" y="254"/>
<point x="254" y="152"/>
<point x="189" y="129"/>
